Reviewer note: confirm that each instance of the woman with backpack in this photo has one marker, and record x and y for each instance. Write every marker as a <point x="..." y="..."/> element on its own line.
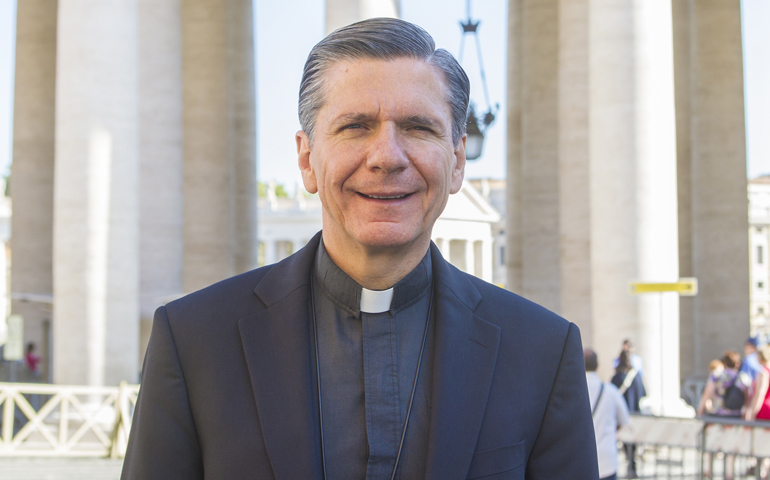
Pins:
<point x="724" y="389"/>
<point x="727" y="395"/>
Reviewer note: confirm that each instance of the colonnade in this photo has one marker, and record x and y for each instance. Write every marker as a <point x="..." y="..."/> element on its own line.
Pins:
<point x="626" y="161"/>
<point x="134" y="170"/>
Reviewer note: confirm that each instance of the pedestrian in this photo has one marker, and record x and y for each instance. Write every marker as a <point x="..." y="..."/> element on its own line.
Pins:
<point x="716" y="367"/>
<point x="723" y="393"/>
<point x="32" y="360"/>
<point x="717" y="387"/>
<point x="609" y="413"/>
<point x="750" y="367"/>
<point x="759" y="405"/>
<point x="628" y="380"/>
<point x="636" y="360"/>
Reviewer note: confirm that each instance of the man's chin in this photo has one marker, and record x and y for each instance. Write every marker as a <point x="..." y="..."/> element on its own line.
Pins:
<point x="387" y="239"/>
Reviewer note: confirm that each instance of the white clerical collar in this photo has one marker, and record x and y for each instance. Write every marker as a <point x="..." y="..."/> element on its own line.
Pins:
<point x="375" y="301"/>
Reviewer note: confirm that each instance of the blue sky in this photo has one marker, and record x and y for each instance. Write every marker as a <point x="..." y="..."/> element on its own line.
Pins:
<point x="286" y="31"/>
<point x="7" y="41"/>
<point x="756" y="68"/>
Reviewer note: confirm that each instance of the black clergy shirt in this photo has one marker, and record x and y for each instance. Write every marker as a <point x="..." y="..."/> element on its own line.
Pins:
<point x="367" y="369"/>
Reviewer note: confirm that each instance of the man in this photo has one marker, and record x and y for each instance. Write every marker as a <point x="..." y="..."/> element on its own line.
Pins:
<point x="365" y="354"/>
<point x="750" y="366"/>
<point x="610" y="413"/>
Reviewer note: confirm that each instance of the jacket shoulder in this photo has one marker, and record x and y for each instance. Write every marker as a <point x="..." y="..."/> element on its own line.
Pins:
<point x="232" y="297"/>
<point x="503" y="307"/>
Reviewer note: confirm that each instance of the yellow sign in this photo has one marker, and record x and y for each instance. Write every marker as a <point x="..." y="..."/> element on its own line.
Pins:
<point x="685" y="286"/>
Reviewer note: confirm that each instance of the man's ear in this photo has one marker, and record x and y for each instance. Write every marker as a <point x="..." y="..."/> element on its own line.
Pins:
<point x="458" y="170"/>
<point x="305" y="167"/>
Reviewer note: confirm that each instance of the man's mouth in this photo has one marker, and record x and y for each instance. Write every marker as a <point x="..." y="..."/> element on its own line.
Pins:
<point x="385" y="197"/>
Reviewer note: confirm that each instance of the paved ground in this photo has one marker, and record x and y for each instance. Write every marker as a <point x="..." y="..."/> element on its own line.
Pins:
<point x="15" y="468"/>
<point x="655" y="466"/>
<point x="105" y="469"/>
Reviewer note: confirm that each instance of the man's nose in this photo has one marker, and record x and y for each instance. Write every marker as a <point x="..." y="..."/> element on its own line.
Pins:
<point x="387" y="151"/>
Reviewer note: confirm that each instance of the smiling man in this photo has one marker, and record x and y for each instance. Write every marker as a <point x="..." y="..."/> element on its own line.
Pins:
<point x="366" y="355"/>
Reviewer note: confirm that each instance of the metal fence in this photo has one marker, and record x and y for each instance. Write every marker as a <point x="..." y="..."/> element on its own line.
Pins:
<point x="78" y="421"/>
<point x="64" y="420"/>
<point x="709" y="447"/>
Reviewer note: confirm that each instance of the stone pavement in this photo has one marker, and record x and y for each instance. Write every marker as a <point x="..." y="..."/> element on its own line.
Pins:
<point x="21" y="468"/>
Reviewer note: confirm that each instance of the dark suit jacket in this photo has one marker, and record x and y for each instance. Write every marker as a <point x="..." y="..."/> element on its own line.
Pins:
<point x="228" y="389"/>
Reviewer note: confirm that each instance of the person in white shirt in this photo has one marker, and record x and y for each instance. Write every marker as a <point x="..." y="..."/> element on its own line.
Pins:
<point x="610" y="413"/>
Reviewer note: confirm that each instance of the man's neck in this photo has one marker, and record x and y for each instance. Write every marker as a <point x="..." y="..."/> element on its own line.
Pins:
<point x="376" y="269"/>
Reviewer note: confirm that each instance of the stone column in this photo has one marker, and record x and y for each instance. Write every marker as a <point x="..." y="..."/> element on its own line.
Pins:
<point x="470" y="257"/>
<point x="633" y="187"/>
<point x="33" y="166"/>
<point x="344" y="12"/>
<point x="538" y="156"/>
<point x="513" y="197"/>
<point x="220" y="235"/>
<point x="5" y="236"/>
<point x="457" y="253"/>
<point x="161" y="238"/>
<point x="681" y="37"/>
<point x="574" y="182"/>
<point x="612" y="177"/>
<point x="656" y="172"/>
<point x="487" y="257"/>
<point x="717" y="251"/>
<point x="96" y="262"/>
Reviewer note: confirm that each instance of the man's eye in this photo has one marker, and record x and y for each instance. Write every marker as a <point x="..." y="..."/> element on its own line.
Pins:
<point x="352" y="126"/>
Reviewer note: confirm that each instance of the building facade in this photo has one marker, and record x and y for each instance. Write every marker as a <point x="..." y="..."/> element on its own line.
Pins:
<point x="759" y="240"/>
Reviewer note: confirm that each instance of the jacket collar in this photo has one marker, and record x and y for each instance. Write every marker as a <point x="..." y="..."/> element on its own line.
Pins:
<point x="288" y="275"/>
<point x="279" y="353"/>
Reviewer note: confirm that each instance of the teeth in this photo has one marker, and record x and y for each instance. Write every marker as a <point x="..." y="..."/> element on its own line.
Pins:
<point x="386" y="198"/>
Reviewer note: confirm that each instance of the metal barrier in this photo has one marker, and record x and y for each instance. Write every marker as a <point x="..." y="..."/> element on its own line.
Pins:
<point x="65" y="420"/>
<point x="697" y="443"/>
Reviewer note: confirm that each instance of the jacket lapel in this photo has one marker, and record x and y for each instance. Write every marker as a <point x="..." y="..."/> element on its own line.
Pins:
<point x="465" y="354"/>
<point x="278" y="348"/>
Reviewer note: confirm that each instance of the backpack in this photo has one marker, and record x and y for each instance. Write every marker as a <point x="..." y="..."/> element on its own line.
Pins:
<point x="734" y="397"/>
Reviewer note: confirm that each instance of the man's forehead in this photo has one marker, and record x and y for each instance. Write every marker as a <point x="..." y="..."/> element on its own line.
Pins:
<point x="364" y="87"/>
<point x="374" y="68"/>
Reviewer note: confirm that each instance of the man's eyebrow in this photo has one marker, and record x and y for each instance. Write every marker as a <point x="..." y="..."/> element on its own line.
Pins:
<point x="417" y="119"/>
<point x="352" y="118"/>
<point x="422" y="120"/>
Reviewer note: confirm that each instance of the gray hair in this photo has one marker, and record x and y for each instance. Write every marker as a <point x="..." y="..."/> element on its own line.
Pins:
<point x="380" y="39"/>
